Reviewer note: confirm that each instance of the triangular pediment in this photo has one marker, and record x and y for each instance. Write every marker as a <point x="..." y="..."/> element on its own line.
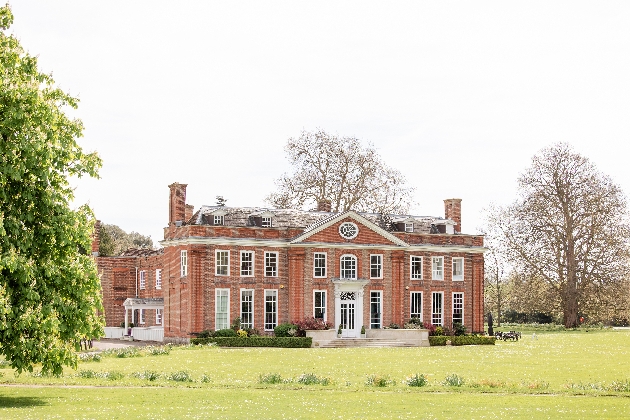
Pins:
<point x="348" y="228"/>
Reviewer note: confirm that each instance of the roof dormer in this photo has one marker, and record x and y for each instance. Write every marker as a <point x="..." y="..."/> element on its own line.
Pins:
<point x="262" y="218"/>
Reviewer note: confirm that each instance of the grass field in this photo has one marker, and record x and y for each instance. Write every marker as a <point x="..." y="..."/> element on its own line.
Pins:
<point x="558" y="375"/>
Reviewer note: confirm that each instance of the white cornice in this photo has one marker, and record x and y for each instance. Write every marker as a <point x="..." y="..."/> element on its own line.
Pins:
<point x="252" y="242"/>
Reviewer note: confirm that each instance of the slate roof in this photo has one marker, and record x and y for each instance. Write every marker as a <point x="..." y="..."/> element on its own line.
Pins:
<point x="141" y="252"/>
<point x="302" y="219"/>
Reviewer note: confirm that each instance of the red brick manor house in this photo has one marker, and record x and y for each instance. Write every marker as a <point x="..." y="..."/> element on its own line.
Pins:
<point x="269" y="266"/>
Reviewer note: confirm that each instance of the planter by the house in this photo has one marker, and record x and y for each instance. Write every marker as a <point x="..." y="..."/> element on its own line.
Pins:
<point x="363" y="331"/>
<point x="339" y="331"/>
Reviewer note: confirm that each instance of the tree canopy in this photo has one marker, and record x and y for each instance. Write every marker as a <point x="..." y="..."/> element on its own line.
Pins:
<point x="114" y="241"/>
<point x="49" y="287"/>
<point x="342" y="171"/>
<point x="568" y="229"/>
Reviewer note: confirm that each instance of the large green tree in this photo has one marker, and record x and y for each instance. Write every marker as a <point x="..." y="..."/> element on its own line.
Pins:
<point x="49" y="286"/>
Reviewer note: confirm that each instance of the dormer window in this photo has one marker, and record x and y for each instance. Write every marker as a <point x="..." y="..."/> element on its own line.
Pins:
<point x="408" y="227"/>
<point x="218" y="220"/>
<point x="266" y="222"/>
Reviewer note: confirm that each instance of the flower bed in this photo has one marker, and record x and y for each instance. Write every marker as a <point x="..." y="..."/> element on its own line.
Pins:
<point x="285" y="342"/>
<point x="461" y="340"/>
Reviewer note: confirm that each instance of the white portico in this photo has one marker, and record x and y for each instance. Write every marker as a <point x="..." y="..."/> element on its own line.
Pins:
<point x="349" y="305"/>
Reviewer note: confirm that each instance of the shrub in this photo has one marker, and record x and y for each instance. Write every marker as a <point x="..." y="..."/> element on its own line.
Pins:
<point x="462" y="340"/>
<point x="204" y="334"/>
<point x="312" y="324"/>
<point x="379" y="381"/>
<point x="126" y="352"/>
<point x="286" y="330"/>
<point x="241" y="333"/>
<point x="620" y="386"/>
<point x="285" y="342"/>
<point x="148" y="375"/>
<point x="416" y="380"/>
<point x="393" y="326"/>
<point x="459" y="329"/>
<point x="205" y="378"/>
<point x="158" y="351"/>
<point x="439" y="330"/>
<point x="90" y="357"/>
<point x="227" y="332"/>
<point x="113" y="375"/>
<point x="453" y="380"/>
<point x="312" y="379"/>
<point x="181" y="376"/>
<point x="87" y="374"/>
<point x="430" y="327"/>
<point x="270" y="378"/>
<point x="236" y="324"/>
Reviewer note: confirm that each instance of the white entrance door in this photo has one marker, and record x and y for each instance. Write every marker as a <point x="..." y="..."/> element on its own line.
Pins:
<point x="348" y="304"/>
<point x="347" y="319"/>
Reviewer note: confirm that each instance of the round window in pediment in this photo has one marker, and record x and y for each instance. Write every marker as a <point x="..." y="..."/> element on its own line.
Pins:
<point x="348" y="230"/>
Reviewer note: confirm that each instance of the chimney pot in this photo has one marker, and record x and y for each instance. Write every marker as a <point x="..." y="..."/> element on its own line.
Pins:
<point x="177" y="202"/>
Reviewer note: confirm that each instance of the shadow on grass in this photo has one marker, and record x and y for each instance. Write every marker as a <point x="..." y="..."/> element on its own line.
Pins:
<point x="17" y="402"/>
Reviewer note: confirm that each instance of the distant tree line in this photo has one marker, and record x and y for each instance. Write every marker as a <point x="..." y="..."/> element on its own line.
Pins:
<point x="114" y="241"/>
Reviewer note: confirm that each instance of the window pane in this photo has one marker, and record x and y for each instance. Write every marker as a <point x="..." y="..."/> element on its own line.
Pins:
<point x="375" y="310"/>
<point x="416" y="267"/>
<point x="436" y="314"/>
<point x="271" y="308"/>
<point x="416" y="305"/>
<point x="458" y="308"/>
<point x="348" y="267"/>
<point x="222" y="309"/>
<point x="438" y="268"/>
<point x="271" y="264"/>
<point x="320" y="304"/>
<point x="376" y="266"/>
<point x="247" y="308"/>
<point x="320" y="264"/>
<point x="458" y="269"/>
<point x="222" y="263"/>
<point x="247" y="263"/>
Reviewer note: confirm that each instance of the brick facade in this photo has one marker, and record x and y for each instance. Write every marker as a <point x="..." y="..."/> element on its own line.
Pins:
<point x="190" y="298"/>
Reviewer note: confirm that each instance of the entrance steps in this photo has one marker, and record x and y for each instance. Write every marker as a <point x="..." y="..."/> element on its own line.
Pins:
<point x="364" y="342"/>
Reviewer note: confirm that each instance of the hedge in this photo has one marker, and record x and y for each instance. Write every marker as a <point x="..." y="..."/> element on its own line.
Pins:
<point x="462" y="340"/>
<point x="286" y="342"/>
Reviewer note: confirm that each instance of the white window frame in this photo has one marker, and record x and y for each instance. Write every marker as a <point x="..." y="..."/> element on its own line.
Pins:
<point x="218" y="220"/>
<point x="218" y="311"/>
<point x="271" y="317"/>
<point x="459" y="305"/>
<point x="158" y="317"/>
<point x="380" y="308"/>
<point x="266" y="222"/>
<point x="271" y="267"/>
<point x="250" y="272"/>
<point x="217" y="265"/>
<point x="437" y="273"/>
<point x="459" y="277"/>
<point x="413" y="275"/>
<point x="415" y="312"/>
<point x="143" y="279"/>
<point x="323" y="270"/>
<point x="409" y="227"/>
<point x="376" y="266"/>
<point x="141" y="316"/>
<point x="343" y="271"/>
<point x="158" y="278"/>
<point x="251" y="307"/>
<point x="322" y="307"/>
<point x="183" y="256"/>
<point x="437" y="313"/>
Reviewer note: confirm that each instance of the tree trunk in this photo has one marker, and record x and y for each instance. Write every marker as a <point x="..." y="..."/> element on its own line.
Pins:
<point x="570" y="305"/>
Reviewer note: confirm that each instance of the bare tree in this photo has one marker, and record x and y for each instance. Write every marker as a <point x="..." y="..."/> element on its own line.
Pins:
<point x="341" y="170"/>
<point x="495" y="284"/>
<point x="568" y="228"/>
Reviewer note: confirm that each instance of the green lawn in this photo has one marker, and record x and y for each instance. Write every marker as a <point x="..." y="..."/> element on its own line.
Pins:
<point x="566" y="375"/>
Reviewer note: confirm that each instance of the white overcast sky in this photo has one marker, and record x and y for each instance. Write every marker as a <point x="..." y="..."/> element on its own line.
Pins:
<point x="458" y="96"/>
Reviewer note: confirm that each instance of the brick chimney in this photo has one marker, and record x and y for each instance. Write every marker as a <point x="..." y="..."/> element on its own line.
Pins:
<point x="189" y="211"/>
<point x="177" y="203"/>
<point x="324" y="205"/>
<point x="453" y="211"/>
<point x="96" y="238"/>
